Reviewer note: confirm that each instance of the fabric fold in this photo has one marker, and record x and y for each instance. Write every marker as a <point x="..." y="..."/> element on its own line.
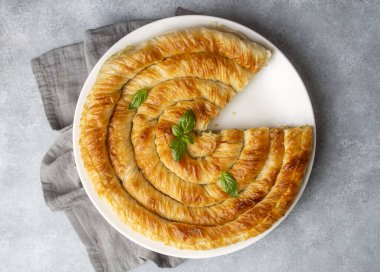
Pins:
<point x="60" y="74"/>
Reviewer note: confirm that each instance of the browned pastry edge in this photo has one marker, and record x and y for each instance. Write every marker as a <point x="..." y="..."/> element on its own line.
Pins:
<point x="158" y="202"/>
<point x="298" y="148"/>
<point x="168" y="75"/>
<point x="95" y="118"/>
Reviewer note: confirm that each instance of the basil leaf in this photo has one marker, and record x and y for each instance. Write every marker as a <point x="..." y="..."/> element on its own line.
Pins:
<point x="187" y="121"/>
<point x="177" y="130"/>
<point x="178" y="147"/>
<point x="229" y="184"/>
<point x="179" y="144"/>
<point x="187" y="139"/>
<point x="138" y="98"/>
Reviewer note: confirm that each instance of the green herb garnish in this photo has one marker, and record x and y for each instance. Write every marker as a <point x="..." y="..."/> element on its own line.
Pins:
<point x="187" y="121"/>
<point x="177" y="130"/>
<point x="178" y="147"/>
<point x="181" y="131"/>
<point x="138" y="98"/>
<point x="229" y="184"/>
<point x="187" y="139"/>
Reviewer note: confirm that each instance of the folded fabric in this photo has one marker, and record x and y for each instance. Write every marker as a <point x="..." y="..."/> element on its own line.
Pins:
<point x="60" y="74"/>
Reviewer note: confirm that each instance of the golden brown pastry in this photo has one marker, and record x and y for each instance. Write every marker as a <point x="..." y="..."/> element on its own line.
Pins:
<point x="127" y="151"/>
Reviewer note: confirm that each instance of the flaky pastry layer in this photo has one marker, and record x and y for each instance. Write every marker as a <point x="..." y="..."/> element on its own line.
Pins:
<point x="128" y="159"/>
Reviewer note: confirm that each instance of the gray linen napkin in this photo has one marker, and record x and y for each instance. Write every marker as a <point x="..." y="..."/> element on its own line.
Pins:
<point x="60" y="74"/>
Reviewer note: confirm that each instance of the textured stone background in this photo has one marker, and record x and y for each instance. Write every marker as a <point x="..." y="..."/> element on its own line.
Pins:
<point x="335" y="47"/>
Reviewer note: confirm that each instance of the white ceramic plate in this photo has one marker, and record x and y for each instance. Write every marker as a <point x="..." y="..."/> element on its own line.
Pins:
<point x="276" y="96"/>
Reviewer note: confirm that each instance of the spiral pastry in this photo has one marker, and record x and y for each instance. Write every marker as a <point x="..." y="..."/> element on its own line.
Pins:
<point x="128" y="156"/>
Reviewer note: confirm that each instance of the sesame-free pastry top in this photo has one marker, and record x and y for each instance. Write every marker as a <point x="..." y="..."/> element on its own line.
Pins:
<point x="147" y="151"/>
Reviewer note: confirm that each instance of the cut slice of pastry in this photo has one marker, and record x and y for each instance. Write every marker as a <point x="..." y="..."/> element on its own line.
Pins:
<point x="126" y="133"/>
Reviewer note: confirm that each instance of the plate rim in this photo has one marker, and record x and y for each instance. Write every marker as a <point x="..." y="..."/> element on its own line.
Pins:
<point x="95" y="200"/>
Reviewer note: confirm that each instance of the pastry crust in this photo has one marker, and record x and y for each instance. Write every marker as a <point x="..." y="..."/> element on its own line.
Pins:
<point x="128" y="159"/>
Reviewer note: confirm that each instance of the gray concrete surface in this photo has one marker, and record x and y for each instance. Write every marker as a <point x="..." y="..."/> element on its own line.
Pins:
<point x="335" y="47"/>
